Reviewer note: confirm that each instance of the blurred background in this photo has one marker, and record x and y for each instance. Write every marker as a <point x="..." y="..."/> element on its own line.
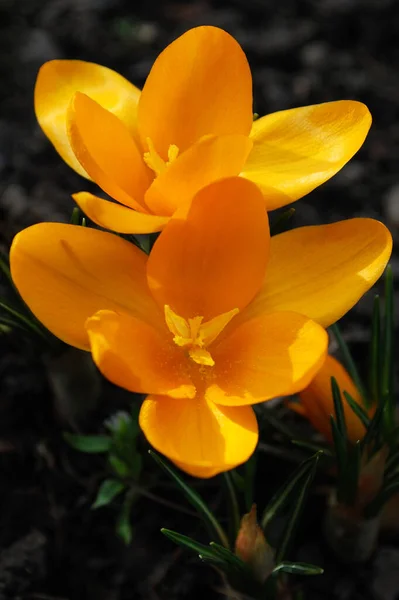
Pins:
<point x="301" y="52"/>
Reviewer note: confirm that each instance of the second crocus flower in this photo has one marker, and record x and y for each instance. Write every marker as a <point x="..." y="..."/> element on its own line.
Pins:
<point x="192" y="124"/>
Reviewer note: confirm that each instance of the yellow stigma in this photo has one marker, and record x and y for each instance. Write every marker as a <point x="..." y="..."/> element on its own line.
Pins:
<point x="196" y="335"/>
<point x="155" y="162"/>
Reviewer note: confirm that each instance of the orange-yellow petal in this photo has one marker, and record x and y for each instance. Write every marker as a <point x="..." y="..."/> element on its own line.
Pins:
<point x="210" y="159"/>
<point x="106" y="150"/>
<point x="318" y="403"/>
<point x="137" y="357"/>
<point x="116" y="217"/>
<point x="296" y="150"/>
<point x="212" y="256"/>
<point x="321" y="271"/>
<point x="200" y="84"/>
<point x="275" y="355"/>
<point x="202" y="438"/>
<point x="66" y="273"/>
<point x="57" y="82"/>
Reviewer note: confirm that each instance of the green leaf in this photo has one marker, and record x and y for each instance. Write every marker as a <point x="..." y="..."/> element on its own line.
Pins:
<point x="228" y="556"/>
<point x="348" y="360"/>
<point x="280" y="498"/>
<point x="357" y="409"/>
<point x="194" y="499"/>
<point x="348" y="483"/>
<point x="338" y="408"/>
<point x="123" y="526"/>
<point x="119" y="466"/>
<point x="109" y="489"/>
<point x="340" y="446"/>
<point x="11" y="324"/>
<point x="375" y="351"/>
<point x="297" y="508"/>
<point x="29" y="323"/>
<point x="5" y="267"/>
<point x="387" y="354"/>
<point x="75" y="216"/>
<point x="88" y="443"/>
<point x="374" y="428"/>
<point x="298" y="568"/>
<point x="313" y="447"/>
<point x="190" y="544"/>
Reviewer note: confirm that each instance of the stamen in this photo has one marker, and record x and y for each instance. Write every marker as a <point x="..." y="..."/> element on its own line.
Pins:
<point x="156" y="162"/>
<point x="201" y="357"/>
<point x="196" y="335"/>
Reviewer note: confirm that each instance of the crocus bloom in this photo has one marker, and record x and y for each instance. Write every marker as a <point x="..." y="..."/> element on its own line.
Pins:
<point x="191" y="124"/>
<point x="217" y="318"/>
<point x="317" y="404"/>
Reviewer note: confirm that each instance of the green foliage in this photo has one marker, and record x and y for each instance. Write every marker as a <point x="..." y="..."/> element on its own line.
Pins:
<point x="108" y="490"/>
<point x="292" y="495"/>
<point x="124" y="462"/>
<point x="76" y="218"/>
<point x="93" y="444"/>
<point x="194" y="499"/>
<point x="381" y="429"/>
<point x="298" y="568"/>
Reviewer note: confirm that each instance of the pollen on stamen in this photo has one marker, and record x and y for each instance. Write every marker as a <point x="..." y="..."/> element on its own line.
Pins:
<point x="154" y="161"/>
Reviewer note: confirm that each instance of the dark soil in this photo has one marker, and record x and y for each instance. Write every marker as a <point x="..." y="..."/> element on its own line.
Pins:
<point x="53" y="547"/>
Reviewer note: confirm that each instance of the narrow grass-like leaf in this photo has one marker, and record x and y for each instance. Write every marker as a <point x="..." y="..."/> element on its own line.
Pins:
<point x="388" y="333"/>
<point x="340" y="445"/>
<point x="229" y="557"/>
<point x="338" y="408"/>
<point x="119" y="465"/>
<point x="109" y="489"/>
<point x="357" y="409"/>
<point x="375" y="351"/>
<point x="296" y="512"/>
<point x="387" y="354"/>
<point x="348" y="360"/>
<point x="194" y="499"/>
<point x="124" y="527"/>
<point x="374" y="428"/>
<point x="24" y="320"/>
<point x="92" y="444"/>
<point x="75" y="216"/>
<point x="5" y="268"/>
<point x="281" y="496"/>
<point x="298" y="568"/>
<point x="350" y="480"/>
<point x="313" y="447"/>
<point x="190" y="544"/>
<point x="13" y="324"/>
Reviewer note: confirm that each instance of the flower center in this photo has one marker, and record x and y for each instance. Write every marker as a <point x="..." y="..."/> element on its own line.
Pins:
<point x="155" y="162"/>
<point x="195" y="335"/>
